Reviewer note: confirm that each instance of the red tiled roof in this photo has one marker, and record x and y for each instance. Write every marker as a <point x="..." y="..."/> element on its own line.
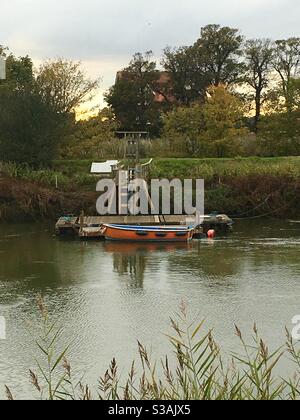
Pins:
<point x="162" y="80"/>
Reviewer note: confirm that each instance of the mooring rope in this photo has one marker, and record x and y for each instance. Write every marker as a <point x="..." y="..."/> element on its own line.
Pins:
<point x="265" y="214"/>
<point x="255" y="208"/>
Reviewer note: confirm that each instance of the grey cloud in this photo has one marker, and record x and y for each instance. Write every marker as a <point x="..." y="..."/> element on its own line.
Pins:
<point x="93" y="28"/>
<point x="112" y="30"/>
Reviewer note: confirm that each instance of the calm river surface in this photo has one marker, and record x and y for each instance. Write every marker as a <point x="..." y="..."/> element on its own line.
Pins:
<point x="107" y="296"/>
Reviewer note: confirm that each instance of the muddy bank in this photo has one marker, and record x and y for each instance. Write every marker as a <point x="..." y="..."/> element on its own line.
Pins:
<point x="255" y="195"/>
<point x="240" y="197"/>
<point x="26" y="201"/>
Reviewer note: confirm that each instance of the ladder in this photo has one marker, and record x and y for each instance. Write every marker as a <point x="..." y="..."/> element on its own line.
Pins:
<point x="124" y="177"/>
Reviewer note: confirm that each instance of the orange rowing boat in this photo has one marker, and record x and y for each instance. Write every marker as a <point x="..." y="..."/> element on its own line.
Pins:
<point x="148" y="233"/>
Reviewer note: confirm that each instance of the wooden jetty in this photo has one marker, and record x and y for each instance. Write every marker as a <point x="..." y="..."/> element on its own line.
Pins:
<point x="89" y="227"/>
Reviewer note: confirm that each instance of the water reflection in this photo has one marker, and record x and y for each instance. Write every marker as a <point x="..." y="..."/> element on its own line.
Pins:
<point x="132" y="258"/>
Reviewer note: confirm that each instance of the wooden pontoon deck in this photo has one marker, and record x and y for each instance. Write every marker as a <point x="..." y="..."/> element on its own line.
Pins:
<point x="89" y="226"/>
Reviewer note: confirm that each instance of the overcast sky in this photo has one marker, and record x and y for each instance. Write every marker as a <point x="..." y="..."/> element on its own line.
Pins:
<point x="105" y="34"/>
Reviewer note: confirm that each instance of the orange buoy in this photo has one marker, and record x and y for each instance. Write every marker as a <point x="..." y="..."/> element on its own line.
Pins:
<point x="211" y="234"/>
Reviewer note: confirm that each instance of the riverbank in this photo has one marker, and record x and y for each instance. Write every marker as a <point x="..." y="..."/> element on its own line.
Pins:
<point x="29" y="201"/>
<point x="250" y="187"/>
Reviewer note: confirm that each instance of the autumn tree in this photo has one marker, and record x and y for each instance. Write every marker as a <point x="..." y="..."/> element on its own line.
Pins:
<point x="31" y="127"/>
<point x="287" y="65"/>
<point x="259" y="54"/>
<point x="188" y="78"/>
<point x="219" y="50"/>
<point x="2" y="50"/>
<point x="183" y="127"/>
<point x="295" y="93"/>
<point x="132" y="98"/>
<point x="223" y="114"/>
<point x="91" y="136"/>
<point x="212" y="60"/>
<point x="64" y="85"/>
<point x="279" y="129"/>
<point x="19" y="71"/>
<point x="211" y="129"/>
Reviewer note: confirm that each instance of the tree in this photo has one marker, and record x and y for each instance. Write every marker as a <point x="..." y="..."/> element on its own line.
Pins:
<point x="212" y="60"/>
<point x="279" y="129"/>
<point x="188" y="78"/>
<point x="218" y="50"/>
<point x="295" y="93"/>
<point x="287" y="64"/>
<point x="211" y="129"/>
<point x="90" y="138"/>
<point x="62" y="84"/>
<point x="132" y="98"/>
<point x="279" y="134"/>
<point x="2" y="50"/>
<point x="29" y="128"/>
<point x="223" y="114"/>
<point x="183" y="128"/>
<point x="259" y="54"/>
<point x="19" y="71"/>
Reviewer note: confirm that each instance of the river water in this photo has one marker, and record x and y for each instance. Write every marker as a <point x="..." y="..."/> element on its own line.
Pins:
<point x="108" y="295"/>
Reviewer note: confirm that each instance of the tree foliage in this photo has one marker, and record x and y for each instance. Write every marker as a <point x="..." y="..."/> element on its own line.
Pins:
<point x="223" y="113"/>
<point x="32" y="124"/>
<point x="212" y="60"/>
<point x="188" y="78"/>
<point x="193" y="103"/>
<point x="63" y="85"/>
<point x="29" y="128"/>
<point x="219" y="49"/>
<point x="259" y="54"/>
<point x="19" y="71"/>
<point x="132" y="98"/>
<point x="93" y="138"/>
<point x="287" y="64"/>
<point x="210" y="129"/>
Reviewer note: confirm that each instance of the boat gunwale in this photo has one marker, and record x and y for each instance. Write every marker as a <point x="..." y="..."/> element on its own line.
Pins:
<point x="158" y="229"/>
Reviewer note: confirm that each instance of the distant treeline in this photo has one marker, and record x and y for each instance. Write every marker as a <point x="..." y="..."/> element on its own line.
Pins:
<point x="222" y="96"/>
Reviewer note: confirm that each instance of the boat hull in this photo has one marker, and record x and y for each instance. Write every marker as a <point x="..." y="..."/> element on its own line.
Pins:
<point x="147" y="234"/>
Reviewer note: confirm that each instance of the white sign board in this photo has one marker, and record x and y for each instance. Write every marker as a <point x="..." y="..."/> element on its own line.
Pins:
<point x="103" y="168"/>
<point x="2" y="69"/>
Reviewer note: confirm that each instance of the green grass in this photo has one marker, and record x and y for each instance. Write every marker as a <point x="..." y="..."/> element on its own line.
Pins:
<point x="77" y="172"/>
<point x="71" y="167"/>
<point x="210" y="168"/>
<point x="196" y="168"/>
<point x="66" y="175"/>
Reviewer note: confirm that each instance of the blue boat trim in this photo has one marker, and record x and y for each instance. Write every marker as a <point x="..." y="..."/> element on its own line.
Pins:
<point x="152" y="228"/>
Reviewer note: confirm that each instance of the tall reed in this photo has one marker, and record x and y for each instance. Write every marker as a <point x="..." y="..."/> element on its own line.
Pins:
<point x="197" y="369"/>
